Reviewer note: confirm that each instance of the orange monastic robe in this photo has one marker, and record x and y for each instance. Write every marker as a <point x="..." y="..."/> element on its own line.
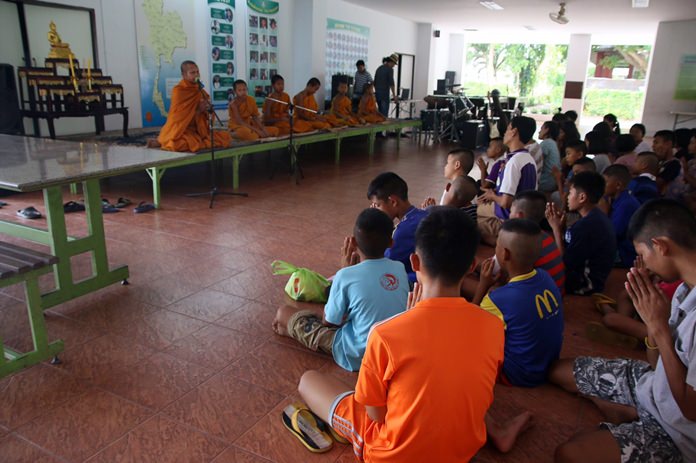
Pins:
<point x="278" y="111"/>
<point x="368" y="110"/>
<point x="342" y="106"/>
<point x="247" y="111"/>
<point x="308" y="101"/>
<point x="185" y="129"/>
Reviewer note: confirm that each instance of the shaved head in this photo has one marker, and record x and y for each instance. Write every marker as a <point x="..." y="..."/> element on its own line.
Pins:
<point x="523" y="239"/>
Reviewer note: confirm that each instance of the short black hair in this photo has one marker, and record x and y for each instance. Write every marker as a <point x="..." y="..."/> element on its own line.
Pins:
<point x="276" y="78"/>
<point x="238" y="82"/>
<point x="572" y="115"/>
<point x="577" y="145"/>
<point x="570" y="130"/>
<point x="590" y="183"/>
<point x="559" y="117"/>
<point x="597" y="142"/>
<point x="532" y="203"/>
<point x="619" y="172"/>
<point x="553" y="129"/>
<point x="682" y="137"/>
<point x="666" y="135"/>
<point x="663" y="217"/>
<point x="585" y="161"/>
<point x="465" y="156"/>
<point x="611" y="118"/>
<point x="640" y="127"/>
<point x="446" y="242"/>
<point x="360" y="63"/>
<point x="387" y="184"/>
<point x="625" y="143"/>
<point x="604" y="129"/>
<point x="651" y="159"/>
<point x="526" y="126"/>
<point x="464" y="190"/>
<point x="526" y="247"/>
<point x="373" y="232"/>
<point x="343" y="80"/>
<point x="313" y="82"/>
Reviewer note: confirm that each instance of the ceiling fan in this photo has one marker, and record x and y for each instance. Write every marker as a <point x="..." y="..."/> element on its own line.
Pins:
<point x="559" y="17"/>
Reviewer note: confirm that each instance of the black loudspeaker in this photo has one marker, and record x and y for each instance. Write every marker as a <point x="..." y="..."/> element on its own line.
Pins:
<point x="10" y="117"/>
<point x="472" y="133"/>
<point x="436" y="34"/>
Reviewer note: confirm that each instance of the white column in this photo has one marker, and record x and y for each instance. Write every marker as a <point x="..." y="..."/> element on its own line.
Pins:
<point x="579" y="49"/>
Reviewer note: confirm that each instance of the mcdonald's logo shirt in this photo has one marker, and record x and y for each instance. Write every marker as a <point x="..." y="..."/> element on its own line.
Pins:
<point x="531" y="307"/>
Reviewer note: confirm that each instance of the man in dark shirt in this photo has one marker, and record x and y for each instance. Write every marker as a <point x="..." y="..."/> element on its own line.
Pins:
<point x="384" y="82"/>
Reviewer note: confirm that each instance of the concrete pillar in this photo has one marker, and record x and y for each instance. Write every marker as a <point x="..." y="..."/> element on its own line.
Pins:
<point x="579" y="49"/>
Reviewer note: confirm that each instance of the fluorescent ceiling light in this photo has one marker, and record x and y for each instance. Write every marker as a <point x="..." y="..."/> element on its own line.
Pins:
<point x="491" y="5"/>
<point x="640" y="3"/>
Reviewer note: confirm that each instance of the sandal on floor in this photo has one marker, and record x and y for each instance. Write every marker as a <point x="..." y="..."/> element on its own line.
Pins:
<point x="72" y="206"/>
<point x="3" y="203"/>
<point x="144" y="207"/>
<point x="29" y="213"/>
<point x="600" y="333"/>
<point x="123" y="202"/>
<point x="303" y="425"/>
<point x="600" y="299"/>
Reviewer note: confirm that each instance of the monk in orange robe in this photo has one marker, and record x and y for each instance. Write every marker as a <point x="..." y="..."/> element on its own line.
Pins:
<point x="342" y="108"/>
<point x="276" y="114"/>
<point x="245" y="121"/>
<point x="306" y="99"/>
<point x="187" y="126"/>
<point x="367" y="109"/>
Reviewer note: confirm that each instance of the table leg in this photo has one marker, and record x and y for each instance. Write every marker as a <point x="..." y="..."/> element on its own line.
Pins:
<point x="337" y="151"/>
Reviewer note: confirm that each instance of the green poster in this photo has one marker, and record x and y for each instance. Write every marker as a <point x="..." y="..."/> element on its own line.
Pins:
<point x="686" y="80"/>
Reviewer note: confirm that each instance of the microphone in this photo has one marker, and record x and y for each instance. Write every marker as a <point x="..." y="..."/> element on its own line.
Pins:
<point x="200" y="84"/>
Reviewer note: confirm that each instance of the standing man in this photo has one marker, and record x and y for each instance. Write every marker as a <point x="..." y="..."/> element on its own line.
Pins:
<point x="384" y="82"/>
<point x="361" y="78"/>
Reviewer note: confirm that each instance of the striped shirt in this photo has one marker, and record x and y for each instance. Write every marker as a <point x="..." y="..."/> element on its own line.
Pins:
<point x="552" y="261"/>
<point x="361" y="78"/>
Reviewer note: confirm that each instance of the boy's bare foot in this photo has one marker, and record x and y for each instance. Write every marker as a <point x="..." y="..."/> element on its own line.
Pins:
<point x="279" y="327"/>
<point x="153" y="143"/>
<point x="504" y="437"/>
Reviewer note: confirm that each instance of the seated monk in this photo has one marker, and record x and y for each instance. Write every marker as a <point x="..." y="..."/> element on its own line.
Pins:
<point x="306" y="99"/>
<point x="276" y="114"/>
<point x="187" y="126"/>
<point x="367" y="109"/>
<point x="245" y="122"/>
<point x="342" y="108"/>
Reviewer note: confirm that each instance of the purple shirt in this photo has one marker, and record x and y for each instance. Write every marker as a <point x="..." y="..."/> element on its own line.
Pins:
<point x="518" y="173"/>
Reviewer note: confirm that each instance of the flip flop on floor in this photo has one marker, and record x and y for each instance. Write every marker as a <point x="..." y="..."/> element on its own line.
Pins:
<point x="600" y="333"/>
<point x="600" y="299"/>
<point x="72" y="206"/>
<point x="3" y="203"/>
<point x="302" y="424"/>
<point x="29" y="213"/>
<point x="144" y="207"/>
<point x="123" y="202"/>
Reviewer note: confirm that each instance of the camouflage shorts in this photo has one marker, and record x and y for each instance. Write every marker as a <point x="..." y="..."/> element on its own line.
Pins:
<point x="615" y="380"/>
<point x="307" y="328"/>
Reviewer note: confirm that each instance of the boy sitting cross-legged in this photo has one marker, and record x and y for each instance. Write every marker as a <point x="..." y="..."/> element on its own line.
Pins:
<point x="650" y="406"/>
<point x="459" y="164"/>
<point x="422" y="391"/>
<point x="530" y="304"/>
<point x="361" y="294"/>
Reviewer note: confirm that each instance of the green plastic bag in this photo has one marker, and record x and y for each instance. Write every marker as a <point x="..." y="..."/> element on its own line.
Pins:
<point x="304" y="284"/>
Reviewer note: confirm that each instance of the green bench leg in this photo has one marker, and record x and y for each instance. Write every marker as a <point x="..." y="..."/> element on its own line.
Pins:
<point x="156" y="174"/>
<point x="371" y="143"/>
<point x="73" y="188"/>
<point x="337" y="151"/>
<point x="398" y="138"/>
<point x="235" y="172"/>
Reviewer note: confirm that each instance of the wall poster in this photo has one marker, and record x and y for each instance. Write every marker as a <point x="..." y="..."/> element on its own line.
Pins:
<point x="346" y="43"/>
<point x="221" y="43"/>
<point x="262" y="34"/>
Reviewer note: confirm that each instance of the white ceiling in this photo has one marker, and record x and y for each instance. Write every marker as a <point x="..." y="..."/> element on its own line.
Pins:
<point x="601" y="18"/>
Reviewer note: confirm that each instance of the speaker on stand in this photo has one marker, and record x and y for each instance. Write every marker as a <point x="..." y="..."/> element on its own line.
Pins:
<point x="10" y="116"/>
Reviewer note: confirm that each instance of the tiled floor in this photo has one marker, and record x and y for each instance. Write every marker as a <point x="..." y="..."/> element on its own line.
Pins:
<point x="182" y="365"/>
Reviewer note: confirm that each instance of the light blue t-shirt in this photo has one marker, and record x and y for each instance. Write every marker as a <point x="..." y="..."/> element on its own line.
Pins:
<point x="362" y="295"/>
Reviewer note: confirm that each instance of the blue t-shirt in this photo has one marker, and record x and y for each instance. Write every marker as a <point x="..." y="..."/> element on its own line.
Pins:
<point x="530" y="305"/>
<point x="404" y="238"/>
<point x="590" y="250"/>
<point x="362" y="295"/>
<point x="643" y="188"/>
<point x="622" y="209"/>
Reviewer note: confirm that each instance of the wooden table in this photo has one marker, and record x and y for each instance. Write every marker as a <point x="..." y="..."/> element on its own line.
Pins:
<point x="31" y="164"/>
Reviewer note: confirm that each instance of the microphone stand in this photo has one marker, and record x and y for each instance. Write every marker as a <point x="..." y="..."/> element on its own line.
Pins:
<point x="214" y="191"/>
<point x="295" y="167"/>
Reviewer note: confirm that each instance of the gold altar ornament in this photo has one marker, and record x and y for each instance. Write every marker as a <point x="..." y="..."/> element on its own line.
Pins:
<point x="58" y="48"/>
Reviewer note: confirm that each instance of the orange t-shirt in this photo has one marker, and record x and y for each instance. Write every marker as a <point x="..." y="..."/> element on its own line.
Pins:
<point x="434" y="367"/>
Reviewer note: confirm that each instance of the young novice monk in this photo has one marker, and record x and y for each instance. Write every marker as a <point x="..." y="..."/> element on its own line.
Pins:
<point x="389" y="193"/>
<point x="245" y="122"/>
<point x="589" y="245"/>
<point x="367" y="109"/>
<point x="361" y="295"/>
<point x="459" y="163"/>
<point x="530" y="304"/>
<point x="414" y="402"/>
<point x="342" y="109"/>
<point x="651" y="407"/>
<point x="305" y="99"/>
<point x="276" y="114"/>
